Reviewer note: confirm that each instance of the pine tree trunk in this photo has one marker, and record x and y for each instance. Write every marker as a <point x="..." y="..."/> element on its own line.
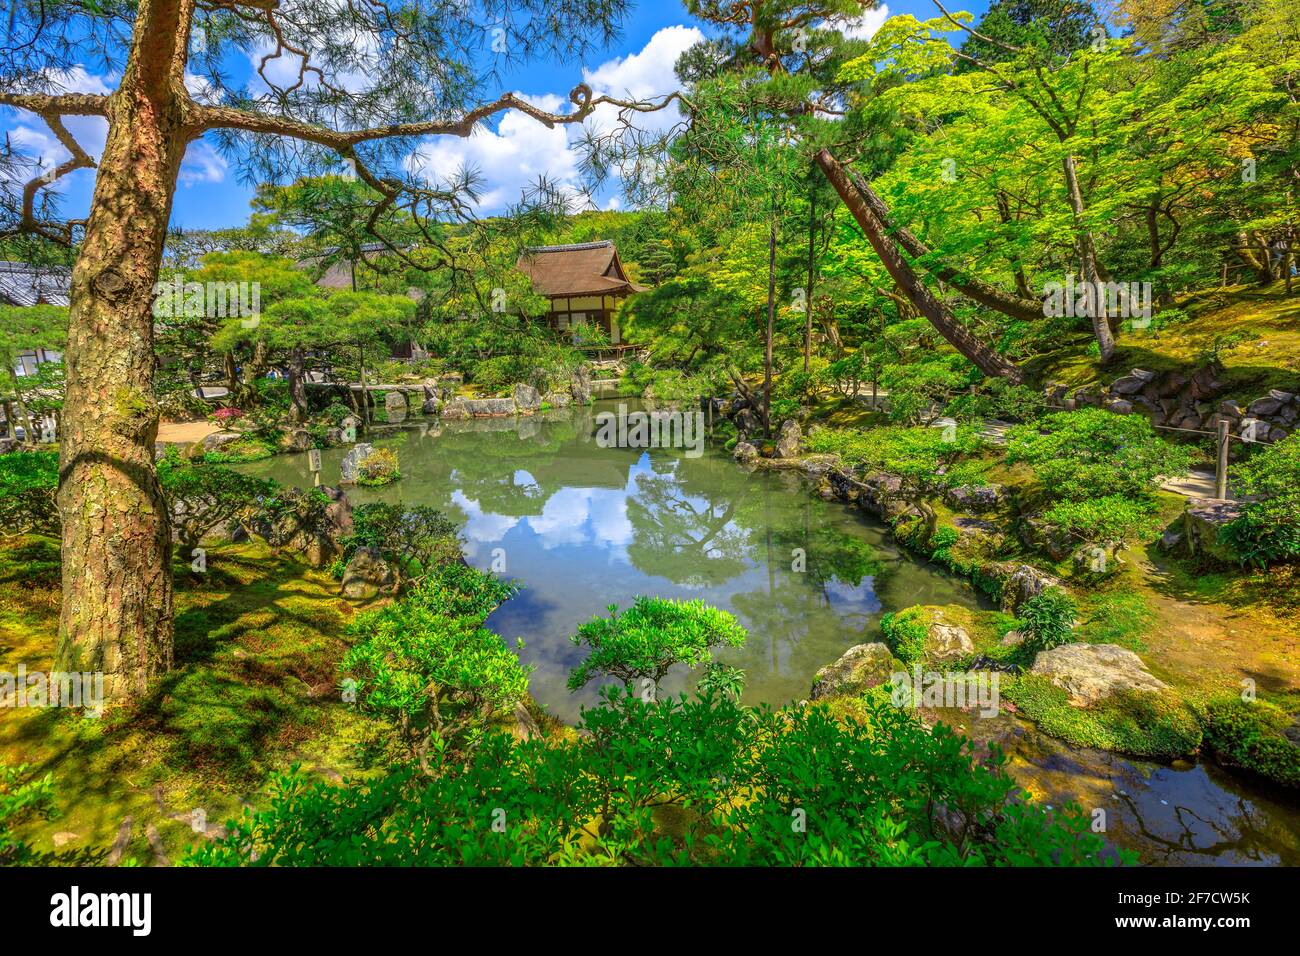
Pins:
<point x="297" y="385"/>
<point x="983" y="357"/>
<point x="117" y="580"/>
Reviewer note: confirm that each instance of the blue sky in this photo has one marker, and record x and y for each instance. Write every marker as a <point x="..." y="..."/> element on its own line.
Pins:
<point x="510" y="152"/>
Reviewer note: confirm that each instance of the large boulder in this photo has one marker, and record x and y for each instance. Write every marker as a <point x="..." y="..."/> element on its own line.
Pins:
<point x="338" y="513"/>
<point x="1020" y="582"/>
<point x="219" y="440"/>
<point x="858" y="669"/>
<point x="1093" y="672"/>
<point x="366" y="575"/>
<point x="299" y="439"/>
<point x="945" y="641"/>
<point x="396" y="401"/>
<point x="350" y="467"/>
<point x="787" y="442"/>
<point x="580" y="387"/>
<point x="557" y="399"/>
<point x="526" y="398"/>
<point x="975" y="498"/>
<point x="1201" y="523"/>
<point x="745" y="452"/>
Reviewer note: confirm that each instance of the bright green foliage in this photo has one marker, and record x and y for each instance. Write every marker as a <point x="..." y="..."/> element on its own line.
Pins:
<point x="1090" y="454"/>
<point x="378" y="468"/>
<point x="28" y="484"/>
<point x="1249" y="734"/>
<point x="793" y="787"/>
<point x="413" y="539"/>
<point x="905" y="632"/>
<point x="204" y="497"/>
<point x="1269" y="528"/>
<point x="427" y="663"/>
<point x="21" y="799"/>
<point x="650" y="637"/>
<point x="1048" y="618"/>
<point x="1112" y="518"/>
<point x="722" y="678"/>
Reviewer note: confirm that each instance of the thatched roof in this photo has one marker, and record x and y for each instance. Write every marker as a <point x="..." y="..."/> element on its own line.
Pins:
<point x="584" y="268"/>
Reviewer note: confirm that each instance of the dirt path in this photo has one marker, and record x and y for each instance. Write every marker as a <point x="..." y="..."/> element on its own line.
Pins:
<point x="178" y="432"/>
<point x="1204" y="642"/>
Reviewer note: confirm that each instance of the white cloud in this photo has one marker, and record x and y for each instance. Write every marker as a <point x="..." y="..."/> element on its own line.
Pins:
<point x="202" y="164"/>
<point x="519" y="150"/>
<point x="865" y="26"/>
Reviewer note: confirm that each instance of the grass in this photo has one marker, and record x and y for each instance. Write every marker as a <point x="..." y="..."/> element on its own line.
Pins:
<point x="258" y="641"/>
<point x="1265" y="319"/>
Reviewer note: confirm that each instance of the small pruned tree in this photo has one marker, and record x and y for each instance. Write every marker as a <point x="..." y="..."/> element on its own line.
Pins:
<point x="651" y="636"/>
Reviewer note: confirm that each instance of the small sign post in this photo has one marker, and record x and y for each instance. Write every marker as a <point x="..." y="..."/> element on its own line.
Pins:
<point x="313" y="462"/>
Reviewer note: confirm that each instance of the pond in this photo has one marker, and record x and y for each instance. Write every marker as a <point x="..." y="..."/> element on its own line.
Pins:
<point x="583" y="527"/>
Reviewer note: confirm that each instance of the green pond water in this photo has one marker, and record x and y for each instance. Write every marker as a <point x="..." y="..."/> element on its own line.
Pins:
<point x="583" y="527"/>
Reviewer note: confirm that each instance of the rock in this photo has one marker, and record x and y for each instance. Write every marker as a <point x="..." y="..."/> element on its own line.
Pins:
<point x="338" y="513"/>
<point x="1020" y="582"/>
<point x="1012" y="639"/>
<point x="787" y="442"/>
<point x="1132" y="383"/>
<point x="350" y="421"/>
<point x="557" y="399"/>
<point x="366" y="574"/>
<point x="815" y="466"/>
<point x="1120" y="406"/>
<point x="1201" y="523"/>
<point x="1264" y="406"/>
<point x="350" y="467"/>
<point x="975" y="498"/>
<point x="7" y="444"/>
<point x="1171" y="539"/>
<point x="297" y="440"/>
<point x="459" y="408"/>
<point x="1093" y="672"/>
<point x="858" y="669"/>
<point x="526" y="398"/>
<point x="581" y="388"/>
<point x="219" y="440"/>
<point x="396" y="401"/>
<point x="430" y="406"/>
<point x="748" y="422"/>
<point x="1054" y="542"/>
<point x="947" y="642"/>
<point x="745" y="452"/>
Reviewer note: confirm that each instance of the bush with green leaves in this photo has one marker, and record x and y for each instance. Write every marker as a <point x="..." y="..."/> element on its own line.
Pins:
<point x="22" y="798"/>
<point x="905" y="632"/>
<point x="1268" y="529"/>
<point x="413" y="539"/>
<point x="743" y="786"/>
<point x="378" y="468"/>
<point x="203" y="497"/>
<point x="647" y="639"/>
<point x="429" y="665"/>
<point x="1048" y="618"/>
<point x="1113" y="518"/>
<point x="1093" y="454"/>
<point x="1250" y="734"/>
<point x="29" y="482"/>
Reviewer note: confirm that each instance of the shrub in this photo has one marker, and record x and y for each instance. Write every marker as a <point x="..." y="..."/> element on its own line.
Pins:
<point x="1090" y="453"/>
<point x="905" y="633"/>
<point x="21" y="799"/>
<point x="412" y="539"/>
<point x="202" y="497"/>
<point x="742" y="786"/>
<point x="1048" y="618"/>
<point x="429" y="665"/>
<point x="1113" y="518"/>
<point x="29" y="482"/>
<point x="1269" y="528"/>
<point x="1249" y="735"/>
<point x="378" y="468"/>
<point x="650" y="637"/>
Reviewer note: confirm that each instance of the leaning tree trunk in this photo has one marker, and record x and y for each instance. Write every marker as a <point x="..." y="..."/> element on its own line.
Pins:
<point x="116" y="550"/>
<point x="1016" y="306"/>
<point x="938" y="315"/>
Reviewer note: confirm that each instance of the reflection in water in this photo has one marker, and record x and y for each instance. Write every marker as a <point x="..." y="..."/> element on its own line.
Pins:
<point x="584" y="527"/>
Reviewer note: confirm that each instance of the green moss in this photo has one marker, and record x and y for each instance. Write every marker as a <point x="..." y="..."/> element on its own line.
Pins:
<point x="1141" y="724"/>
<point x="1248" y="734"/>
<point x="905" y="633"/>
<point x="1120" y="617"/>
